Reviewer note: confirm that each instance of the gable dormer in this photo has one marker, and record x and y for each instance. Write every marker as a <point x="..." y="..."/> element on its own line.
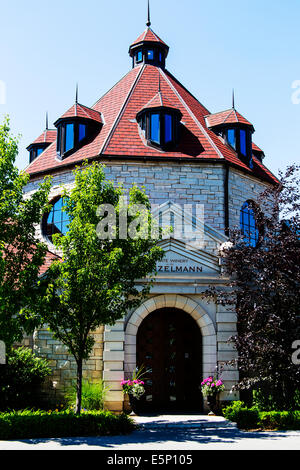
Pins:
<point x="159" y="121"/>
<point x="76" y="128"/>
<point x="235" y="130"/>
<point x="41" y="143"/>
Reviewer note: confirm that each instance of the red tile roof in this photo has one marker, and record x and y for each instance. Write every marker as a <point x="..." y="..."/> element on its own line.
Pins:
<point x="47" y="137"/>
<point x="256" y="147"/>
<point x="230" y="116"/>
<point x="120" y="137"/>
<point x="148" y="36"/>
<point x="159" y="101"/>
<point x="78" y="110"/>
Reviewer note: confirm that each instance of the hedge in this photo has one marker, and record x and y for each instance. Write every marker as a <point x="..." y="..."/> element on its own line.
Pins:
<point x="280" y="420"/>
<point x="252" y="418"/>
<point x="30" y="424"/>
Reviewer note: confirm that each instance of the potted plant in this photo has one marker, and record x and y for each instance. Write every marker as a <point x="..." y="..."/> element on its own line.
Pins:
<point x="135" y="389"/>
<point x="210" y="388"/>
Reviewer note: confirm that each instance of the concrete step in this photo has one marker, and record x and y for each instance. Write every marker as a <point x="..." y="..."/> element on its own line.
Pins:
<point x="183" y="422"/>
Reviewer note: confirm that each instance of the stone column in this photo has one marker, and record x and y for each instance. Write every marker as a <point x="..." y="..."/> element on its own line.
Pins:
<point x="227" y="327"/>
<point x="113" y="373"/>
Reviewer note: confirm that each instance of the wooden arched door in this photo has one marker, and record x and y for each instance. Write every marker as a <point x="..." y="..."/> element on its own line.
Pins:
<point x="169" y="346"/>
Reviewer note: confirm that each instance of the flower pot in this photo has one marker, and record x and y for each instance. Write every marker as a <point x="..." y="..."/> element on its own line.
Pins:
<point x="134" y="404"/>
<point x="212" y="403"/>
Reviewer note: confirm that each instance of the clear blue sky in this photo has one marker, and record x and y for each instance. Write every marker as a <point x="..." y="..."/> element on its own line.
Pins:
<point x="249" y="45"/>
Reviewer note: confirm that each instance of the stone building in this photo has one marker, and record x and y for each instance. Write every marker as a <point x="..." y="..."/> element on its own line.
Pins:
<point x="150" y="130"/>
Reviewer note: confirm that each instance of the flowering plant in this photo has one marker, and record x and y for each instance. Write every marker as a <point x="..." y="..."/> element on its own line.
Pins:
<point x="133" y="387"/>
<point x="211" y="386"/>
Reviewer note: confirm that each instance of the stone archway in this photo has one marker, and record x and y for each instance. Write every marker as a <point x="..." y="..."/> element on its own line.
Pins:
<point x="197" y="312"/>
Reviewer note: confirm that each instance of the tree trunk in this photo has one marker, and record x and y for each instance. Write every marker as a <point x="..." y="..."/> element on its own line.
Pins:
<point x="79" y="386"/>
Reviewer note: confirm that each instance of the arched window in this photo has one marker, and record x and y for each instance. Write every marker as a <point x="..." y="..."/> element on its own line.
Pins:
<point x="248" y="223"/>
<point x="57" y="220"/>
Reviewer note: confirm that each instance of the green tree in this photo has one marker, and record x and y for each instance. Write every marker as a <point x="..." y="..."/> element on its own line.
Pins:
<point x="95" y="284"/>
<point x="266" y="281"/>
<point x="21" y="254"/>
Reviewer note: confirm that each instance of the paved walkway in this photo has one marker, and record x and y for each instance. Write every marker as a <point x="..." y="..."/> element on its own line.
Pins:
<point x="189" y="432"/>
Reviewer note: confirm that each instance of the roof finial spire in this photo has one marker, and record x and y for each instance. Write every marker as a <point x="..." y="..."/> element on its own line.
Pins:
<point x="47" y="121"/>
<point x="149" y="20"/>
<point x="233" y="99"/>
<point x="76" y="95"/>
<point x="76" y="99"/>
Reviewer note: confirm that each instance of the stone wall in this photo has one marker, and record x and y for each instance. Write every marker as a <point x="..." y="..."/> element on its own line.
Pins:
<point x="180" y="183"/>
<point x="241" y="189"/>
<point x="63" y="364"/>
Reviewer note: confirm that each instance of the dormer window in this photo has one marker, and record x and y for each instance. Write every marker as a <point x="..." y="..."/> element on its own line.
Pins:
<point x="81" y="132"/>
<point x="41" y="143"/>
<point x="139" y="56"/>
<point x="159" y="120"/>
<point x="235" y="130"/>
<point x="155" y="127"/>
<point x="76" y="128"/>
<point x="168" y="128"/>
<point x="70" y="136"/>
<point x="160" y="127"/>
<point x="35" y="152"/>
<point x="231" y="138"/>
<point x="241" y="141"/>
<point x="150" y="54"/>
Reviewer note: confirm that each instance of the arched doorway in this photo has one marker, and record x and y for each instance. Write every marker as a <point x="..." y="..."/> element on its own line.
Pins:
<point x="169" y="346"/>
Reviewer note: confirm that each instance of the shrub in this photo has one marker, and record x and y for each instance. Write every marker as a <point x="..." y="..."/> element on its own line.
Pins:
<point x="266" y="401"/>
<point x="250" y="418"/>
<point x="93" y="395"/>
<point x="297" y="400"/>
<point x="246" y="418"/>
<point x="280" y="420"/>
<point x="263" y="401"/>
<point x="30" y="424"/>
<point x="21" y="378"/>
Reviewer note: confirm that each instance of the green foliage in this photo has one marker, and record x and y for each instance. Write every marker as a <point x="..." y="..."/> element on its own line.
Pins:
<point x="21" y="377"/>
<point x="280" y="420"/>
<point x="297" y="400"/>
<point x="21" y="254"/>
<point x="93" y="395"/>
<point x="96" y="282"/>
<point x="246" y="418"/>
<point x="264" y="401"/>
<point x="252" y="418"/>
<point x="30" y="424"/>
